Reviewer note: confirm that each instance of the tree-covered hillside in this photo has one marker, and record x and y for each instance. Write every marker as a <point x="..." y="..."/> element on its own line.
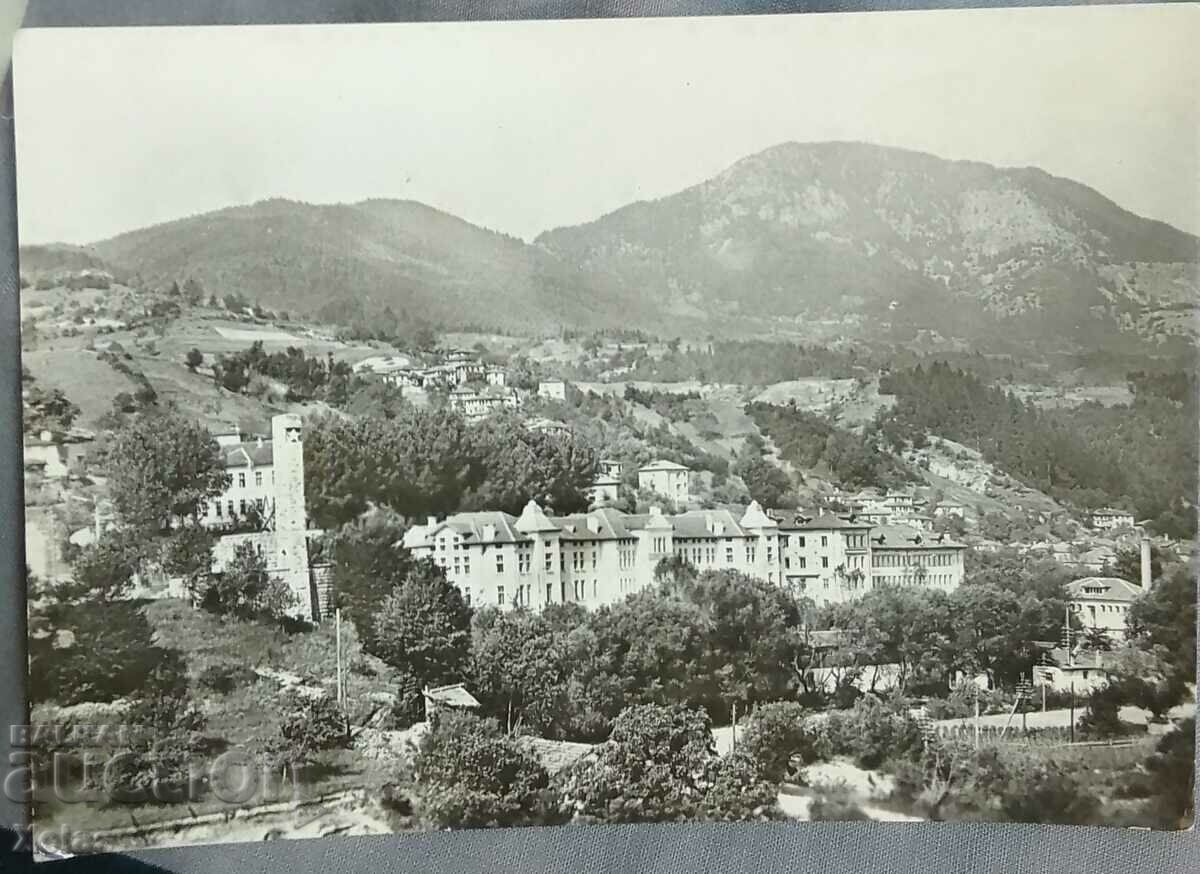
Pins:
<point x="1141" y="456"/>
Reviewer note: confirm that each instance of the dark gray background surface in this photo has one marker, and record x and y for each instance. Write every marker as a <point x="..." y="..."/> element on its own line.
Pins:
<point x="725" y="849"/>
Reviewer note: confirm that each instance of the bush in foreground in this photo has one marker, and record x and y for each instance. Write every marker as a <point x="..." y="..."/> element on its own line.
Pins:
<point x="471" y="775"/>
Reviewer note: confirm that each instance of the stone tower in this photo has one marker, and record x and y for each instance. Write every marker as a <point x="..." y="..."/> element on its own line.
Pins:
<point x="291" y="519"/>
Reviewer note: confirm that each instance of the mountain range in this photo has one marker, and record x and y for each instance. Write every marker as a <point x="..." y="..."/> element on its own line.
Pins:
<point x="853" y="240"/>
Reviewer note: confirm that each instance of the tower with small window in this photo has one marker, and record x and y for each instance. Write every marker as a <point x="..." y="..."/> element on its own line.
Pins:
<point x="291" y="518"/>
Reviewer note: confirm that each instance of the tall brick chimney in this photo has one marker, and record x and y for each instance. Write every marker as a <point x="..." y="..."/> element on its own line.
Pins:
<point x="1147" y="574"/>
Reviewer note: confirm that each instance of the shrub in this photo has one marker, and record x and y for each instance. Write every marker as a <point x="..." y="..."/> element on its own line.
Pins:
<point x="836" y="809"/>
<point x="870" y="732"/>
<point x="312" y="724"/>
<point x="1102" y="718"/>
<point x="225" y="677"/>
<point x="245" y="590"/>
<point x="736" y="792"/>
<point x="775" y="734"/>
<point x="1173" y="768"/>
<point x="469" y="775"/>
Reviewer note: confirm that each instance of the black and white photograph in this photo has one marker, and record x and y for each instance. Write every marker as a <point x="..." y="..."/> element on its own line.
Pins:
<point x="781" y="418"/>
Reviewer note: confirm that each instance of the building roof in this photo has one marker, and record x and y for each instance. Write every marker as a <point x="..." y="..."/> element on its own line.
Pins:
<point x="533" y="519"/>
<point x="1110" y="511"/>
<point x="556" y="755"/>
<point x="830" y="638"/>
<point x="455" y="695"/>
<point x="903" y="537"/>
<point x="1112" y="589"/>
<point x="696" y="524"/>
<point x="661" y="464"/>
<point x="600" y="524"/>
<point x="543" y="424"/>
<point x="252" y="453"/>
<point x="1083" y="660"/>
<point x="821" y="522"/>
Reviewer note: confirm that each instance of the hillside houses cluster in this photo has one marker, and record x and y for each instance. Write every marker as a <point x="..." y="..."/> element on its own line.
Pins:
<point x="457" y="367"/>
<point x="475" y="389"/>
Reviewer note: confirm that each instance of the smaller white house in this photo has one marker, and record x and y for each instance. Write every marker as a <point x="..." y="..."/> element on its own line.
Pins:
<point x="948" y="508"/>
<point x="1107" y="518"/>
<point x="1082" y="672"/>
<point x="475" y="404"/>
<point x="666" y="478"/>
<point x="44" y="454"/>
<point x="604" y="489"/>
<point x="1103" y="603"/>
<point x="554" y="389"/>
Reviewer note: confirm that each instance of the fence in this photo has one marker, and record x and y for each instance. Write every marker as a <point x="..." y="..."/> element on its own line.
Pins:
<point x="1046" y="736"/>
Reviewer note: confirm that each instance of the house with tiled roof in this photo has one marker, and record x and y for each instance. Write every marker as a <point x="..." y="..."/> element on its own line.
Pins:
<point x="1103" y="603"/>
<point x="666" y="478"/>
<point x="1108" y="517"/>
<point x="452" y="697"/>
<point x="476" y="403"/>
<point x="250" y="465"/>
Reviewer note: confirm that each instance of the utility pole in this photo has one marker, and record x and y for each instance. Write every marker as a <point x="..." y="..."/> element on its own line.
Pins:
<point x="341" y="692"/>
<point x="976" y="717"/>
<point x="733" y="728"/>
<point x="1072" y="711"/>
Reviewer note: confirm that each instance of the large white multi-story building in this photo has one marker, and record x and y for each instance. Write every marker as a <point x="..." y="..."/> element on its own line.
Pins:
<point x="250" y="464"/>
<point x="601" y="556"/>
<point x="826" y="557"/>
<point x="902" y="556"/>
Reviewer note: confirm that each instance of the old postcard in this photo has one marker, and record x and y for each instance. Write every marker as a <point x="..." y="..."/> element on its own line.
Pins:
<point x="442" y="426"/>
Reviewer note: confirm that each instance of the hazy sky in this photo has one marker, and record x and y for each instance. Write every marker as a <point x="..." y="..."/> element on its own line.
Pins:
<point x="525" y="126"/>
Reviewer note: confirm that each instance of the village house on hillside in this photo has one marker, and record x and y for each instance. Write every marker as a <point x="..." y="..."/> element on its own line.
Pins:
<point x="55" y="455"/>
<point x="478" y="403"/>
<point x="666" y="478"/>
<point x="1107" y="518"/>
<point x="458" y="368"/>
<point x="552" y="389"/>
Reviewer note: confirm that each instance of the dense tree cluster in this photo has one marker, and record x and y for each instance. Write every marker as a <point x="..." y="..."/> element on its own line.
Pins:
<point x="427" y="462"/>
<point x="808" y="440"/>
<point x="47" y="410"/>
<point x="306" y="377"/>
<point x="1142" y="456"/>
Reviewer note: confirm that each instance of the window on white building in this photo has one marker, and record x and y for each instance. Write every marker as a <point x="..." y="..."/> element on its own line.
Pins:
<point x="258" y="477"/>
<point x="499" y="594"/>
<point x="241" y="480"/>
